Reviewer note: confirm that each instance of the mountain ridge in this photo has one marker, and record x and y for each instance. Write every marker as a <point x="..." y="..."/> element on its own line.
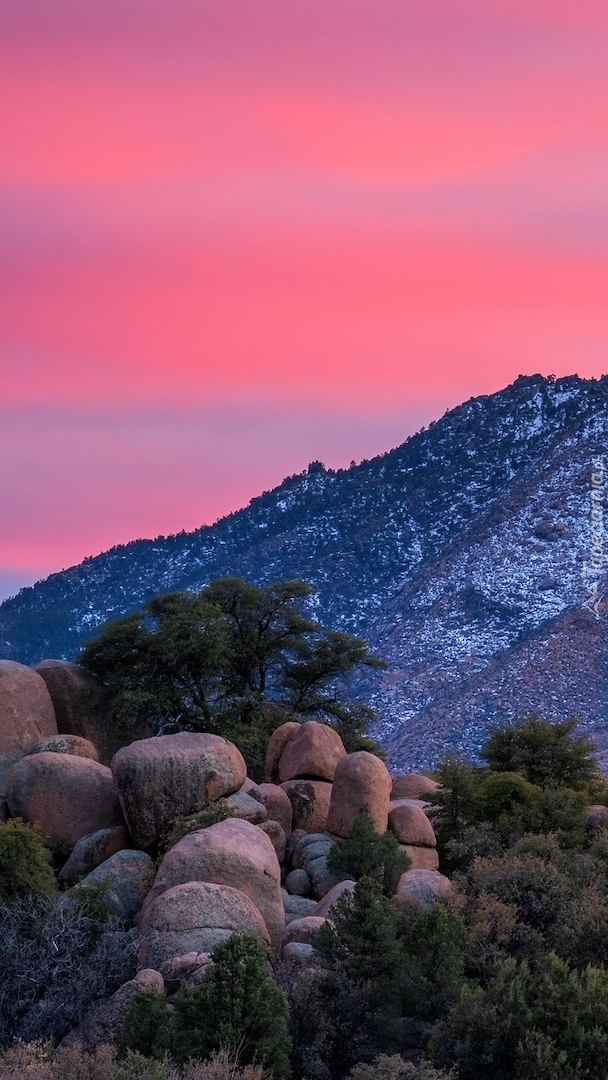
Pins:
<point x="444" y="552"/>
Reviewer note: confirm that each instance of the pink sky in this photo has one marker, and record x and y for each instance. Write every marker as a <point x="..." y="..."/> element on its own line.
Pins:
<point x="241" y="235"/>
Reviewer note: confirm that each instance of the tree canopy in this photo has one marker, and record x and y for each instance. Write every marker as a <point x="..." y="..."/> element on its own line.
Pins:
<point x="225" y="660"/>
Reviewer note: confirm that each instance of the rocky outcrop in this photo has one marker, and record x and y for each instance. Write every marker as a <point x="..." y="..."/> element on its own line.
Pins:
<point x="233" y="853"/>
<point x="26" y="713"/>
<point x="68" y="797"/>
<point x="72" y="692"/>
<point x="164" y="778"/>
<point x="91" y="851"/>
<point x="361" y="782"/>
<point x="313" y="752"/>
<point x="195" y="917"/>
<point x="310" y="801"/>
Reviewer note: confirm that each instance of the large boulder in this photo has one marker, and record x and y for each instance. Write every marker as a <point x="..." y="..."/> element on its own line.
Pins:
<point x="127" y="877"/>
<point x="422" y="889"/>
<point x="233" y="853"/>
<point x="361" y="782"/>
<point x="68" y="797"/>
<point x="277" y="803"/>
<point x="324" y="906"/>
<point x="91" y="851"/>
<point x="421" y="858"/>
<point x="275" y="833"/>
<point x="276" y="745"/>
<point x="161" y="779"/>
<point x="74" y="700"/>
<point x="410" y="824"/>
<point x="310" y="801"/>
<point x="414" y="786"/>
<point x="245" y="806"/>
<point x="194" y="918"/>
<point x="312" y="752"/>
<point x="66" y="744"/>
<point x="26" y="713"/>
<point x="303" y="930"/>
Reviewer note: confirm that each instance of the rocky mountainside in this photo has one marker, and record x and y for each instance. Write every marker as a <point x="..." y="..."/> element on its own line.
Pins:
<point x="459" y="556"/>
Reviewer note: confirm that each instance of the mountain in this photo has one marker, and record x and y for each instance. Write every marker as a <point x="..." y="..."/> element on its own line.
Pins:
<point x="458" y="555"/>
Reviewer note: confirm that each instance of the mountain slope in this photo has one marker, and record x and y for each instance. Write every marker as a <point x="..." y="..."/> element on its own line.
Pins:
<point x="447" y="553"/>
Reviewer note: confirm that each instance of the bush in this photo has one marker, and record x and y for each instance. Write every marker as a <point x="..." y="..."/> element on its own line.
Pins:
<point x="25" y="861"/>
<point x="546" y="754"/>
<point x="146" y="1028"/>
<point x="203" y="817"/>
<point x="395" y="1068"/>
<point x="38" y="1061"/>
<point x="365" y="853"/>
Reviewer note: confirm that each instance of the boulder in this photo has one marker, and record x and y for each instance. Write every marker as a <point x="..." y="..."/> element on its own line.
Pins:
<point x="321" y="877"/>
<point x="298" y="906"/>
<point x="310" y="801"/>
<point x="312" y="752"/>
<point x="276" y="745"/>
<point x="275" y="833"/>
<point x="361" y="782"/>
<point x="410" y="824"/>
<point x="161" y="779"/>
<point x="597" y="818"/>
<point x="245" y="807"/>
<point x="299" y="854"/>
<point x="69" y="797"/>
<point x="186" y="970"/>
<point x="73" y="695"/>
<point x="91" y="851"/>
<point x="324" y="906"/>
<point x="423" y="888"/>
<point x="248" y="787"/>
<point x="292" y="843"/>
<point x="303" y="930"/>
<point x="26" y="713"/>
<point x="422" y="858"/>
<point x="277" y="804"/>
<point x="195" y="917"/>
<point x="233" y="853"/>
<point x="66" y="744"/>
<point x="413" y="786"/>
<point x="102" y="1021"/>
<point x="297" y="952"/>
<point x="297" y="883"/>
<point x="127" y="877"/>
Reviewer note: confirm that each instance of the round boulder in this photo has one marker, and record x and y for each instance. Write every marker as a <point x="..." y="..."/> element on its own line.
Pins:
<point x="423" y="888"/>
<point x="421" y="858"/>
<point x="233" y="853"/>
<point x="275" y="833"/>
<point x="277" y="804"/>
<point x="91" y="851"/>
<point x="312" y="752"/>
<point x="321" y="877"/>
<point x="414" y="786"/>
<point x="246" y="807"/>
<point x="69" y="797"/>
<point x="73" y="695"/>
<point x="66" y="744"/>
<point x="361" y="782"/>
<point x="297" y="952"/>
<point x="297" y="883"/>
<point x="26" y="712"/>
<point x="310" y="801"/>
<point x="324" y="906"/>
<point x="303" y="930"/>
<point x="276" y="745"/>
<point x="161" y="779"/>
<point x="128" y="877"/>
<point x="193" y="918"/>
<point x="410" y="824"/>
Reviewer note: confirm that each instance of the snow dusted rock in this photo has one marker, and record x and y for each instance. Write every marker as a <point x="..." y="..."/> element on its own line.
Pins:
<point x="164" y="778"/>
<point x="312" y="752"/>
<point x="361" y="782"/>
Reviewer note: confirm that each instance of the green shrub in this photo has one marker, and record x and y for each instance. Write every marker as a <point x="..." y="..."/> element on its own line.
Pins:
<point x="365" y="853"/>
<point x="547" y="754"/>
<point x="146" y="1028"/>
<point x="395" y="1068"/>
<point x="202" y="818"/>
<point x="25" y="861"/>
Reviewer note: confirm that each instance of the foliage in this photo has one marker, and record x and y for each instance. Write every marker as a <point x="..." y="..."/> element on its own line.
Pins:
<point x="25" y="861"/>
<point x="433" y="962"/>
<point x="211" y="661"/>
<point x="548" y="755"/>
<point x="57" y="956"/>
<point x="395" y="1068"/>
<point x="202" y="818"/>
<point x="147" y="1026"/>
<point x="365" y="853"/>
<point x="39" y="1061"/>
<point x="237" y="1006"/>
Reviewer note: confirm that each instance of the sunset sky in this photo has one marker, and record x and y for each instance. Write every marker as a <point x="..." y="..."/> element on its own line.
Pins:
<point x="239" y="235"/>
